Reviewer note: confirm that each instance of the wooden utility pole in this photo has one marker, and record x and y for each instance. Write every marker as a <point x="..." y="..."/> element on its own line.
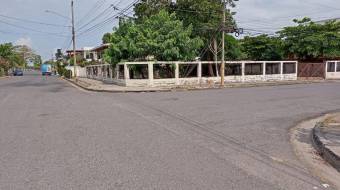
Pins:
<point x="223" y="44"/>
<point x="74" y="41"/>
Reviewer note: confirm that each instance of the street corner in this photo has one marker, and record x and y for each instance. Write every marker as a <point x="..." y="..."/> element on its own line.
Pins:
<point x="326" y="140"/>
<point x="312" y="141"/>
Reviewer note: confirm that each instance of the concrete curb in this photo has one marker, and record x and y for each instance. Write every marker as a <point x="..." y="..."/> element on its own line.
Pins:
<point x="115" y="91"/>
<point x="318" y="143"/>
<point x="179" y="88"/>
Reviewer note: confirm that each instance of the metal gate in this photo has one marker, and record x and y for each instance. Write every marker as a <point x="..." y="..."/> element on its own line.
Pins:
<point x="311" y="70"/>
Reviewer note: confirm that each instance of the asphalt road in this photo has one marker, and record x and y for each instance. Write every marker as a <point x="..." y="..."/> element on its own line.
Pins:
<point x="54" y="136"/>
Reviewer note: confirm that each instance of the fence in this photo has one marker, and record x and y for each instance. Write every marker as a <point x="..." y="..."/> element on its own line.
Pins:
<point x="192" y="73"/>
<point x="332" y="69"/>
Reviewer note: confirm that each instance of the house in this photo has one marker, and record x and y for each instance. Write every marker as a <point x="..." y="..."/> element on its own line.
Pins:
<point x="85" y="53"/>
<point x="98" y="52"/>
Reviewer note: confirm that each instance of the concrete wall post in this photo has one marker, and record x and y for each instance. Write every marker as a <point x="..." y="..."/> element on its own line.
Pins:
<point x="336" y="67"/>
<point x="243" y="70"/>
<point x="117" y="71"/>
<point x="150" y="72"/>
<point x="281" y="70"/>
<point x="111" y="74"/>
<point x="177" y="73"/>
<point x="264" y="64"/>
<point x="126" y="72"/>
<point x="199" y="72"/>
<point x="296" y="69"/>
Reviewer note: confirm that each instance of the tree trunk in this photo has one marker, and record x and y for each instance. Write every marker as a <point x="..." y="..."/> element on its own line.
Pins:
<point x="215" y="56"/>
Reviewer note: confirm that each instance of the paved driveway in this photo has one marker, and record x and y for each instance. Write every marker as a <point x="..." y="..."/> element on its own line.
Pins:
<point x="54" y="136"/>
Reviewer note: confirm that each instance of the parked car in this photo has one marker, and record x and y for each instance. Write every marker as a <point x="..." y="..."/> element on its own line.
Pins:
<point x="18" y="72"/>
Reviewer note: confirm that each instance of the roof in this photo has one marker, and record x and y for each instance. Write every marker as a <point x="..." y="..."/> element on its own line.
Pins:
<point x="101" y="47"/>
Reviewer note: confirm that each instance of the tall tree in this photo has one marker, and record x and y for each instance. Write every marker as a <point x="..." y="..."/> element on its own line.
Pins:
<point x="262" y="47"/>
<point x="106" y="38"/>
<point x="309" y="40"/>
<point x="146" y="8"/>
<point x="161" y="36"/>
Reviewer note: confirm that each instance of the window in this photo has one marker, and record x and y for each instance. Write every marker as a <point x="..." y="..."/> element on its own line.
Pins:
<point x="121" y="73"/>
<point x="87" y="55"/>
<point x="164" y="71"/>
<point x="188" y="71"/>
<point x="331" y="67"/>
<point x="254" y="69"/>
<point x="138" y="71"/>
<point x="273" y="68"/>
<point x="209" y="70"/>
<point x="338" y="67"/>
<point x="289" y="68"/>
<point x="233" y="69"/>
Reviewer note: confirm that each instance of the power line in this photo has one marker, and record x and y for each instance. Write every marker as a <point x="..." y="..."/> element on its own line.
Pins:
<point x="32" y="29"/>
<point x="108" y="20"/>
<point x="31" y="21"/>
<point x="98" y="16"/>
<point x="95" y="8"/>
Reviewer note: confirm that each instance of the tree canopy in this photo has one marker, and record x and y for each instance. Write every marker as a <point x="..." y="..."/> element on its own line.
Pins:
<point x="161" y="36"/>
<point x="309" y="40"/>
<point x="16" y="56"/>
<point x="262" y="47"/>
<point x="149" y="35"/>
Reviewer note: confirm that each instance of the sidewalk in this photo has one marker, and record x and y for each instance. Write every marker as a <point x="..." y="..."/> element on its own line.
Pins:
<point x="326" y="139"/>
<point x="99" y="86"/>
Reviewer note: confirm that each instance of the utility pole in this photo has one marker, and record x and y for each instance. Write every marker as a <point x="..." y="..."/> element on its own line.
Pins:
<point x="223" y="45"/>
<point x="74" y="41"/>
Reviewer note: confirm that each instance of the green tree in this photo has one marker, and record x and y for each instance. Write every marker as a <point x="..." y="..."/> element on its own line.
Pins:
<point x="146" y="8"/>
<point x="309" y="40"/>
<point x="6" y="52"/>
<point x="106" y="38"/>
<point x="161" y="36"/>
<point x="233" y="49"/>
<point x="205" y="16"/>
<point x="262" y="47"/>
<point x="15" y="56"/>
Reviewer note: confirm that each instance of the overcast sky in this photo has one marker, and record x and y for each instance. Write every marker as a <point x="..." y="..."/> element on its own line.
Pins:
<point x="256" y="16"/>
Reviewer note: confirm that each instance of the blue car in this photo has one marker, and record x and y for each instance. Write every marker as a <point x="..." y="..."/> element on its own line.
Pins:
<point x="18" y="72"/>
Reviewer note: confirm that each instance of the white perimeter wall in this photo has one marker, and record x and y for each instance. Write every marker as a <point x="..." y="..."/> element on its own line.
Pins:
<point x="335" y="73"/>
<point x="199" y="80"/>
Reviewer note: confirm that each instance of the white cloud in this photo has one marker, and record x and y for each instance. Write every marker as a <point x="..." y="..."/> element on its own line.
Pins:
<point x="24" y="41"/>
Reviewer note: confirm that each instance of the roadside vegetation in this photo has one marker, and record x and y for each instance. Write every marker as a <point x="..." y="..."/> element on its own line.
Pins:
<point x="16" y="57"/>
<point x="190" y="29"/>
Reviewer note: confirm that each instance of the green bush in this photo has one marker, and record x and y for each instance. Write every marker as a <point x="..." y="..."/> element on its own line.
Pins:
<point x="2" y="72"/>
<point x="61" y="70"/>
<point x="68" y="74"/>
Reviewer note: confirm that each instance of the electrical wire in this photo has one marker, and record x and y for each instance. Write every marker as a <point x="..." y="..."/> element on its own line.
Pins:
<point x="31" y="29"/>
<point x="97" y="17"/>
<point x="108" y="20"/>
<point x="31" y="21"/>
<point x="94" y="8"/>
